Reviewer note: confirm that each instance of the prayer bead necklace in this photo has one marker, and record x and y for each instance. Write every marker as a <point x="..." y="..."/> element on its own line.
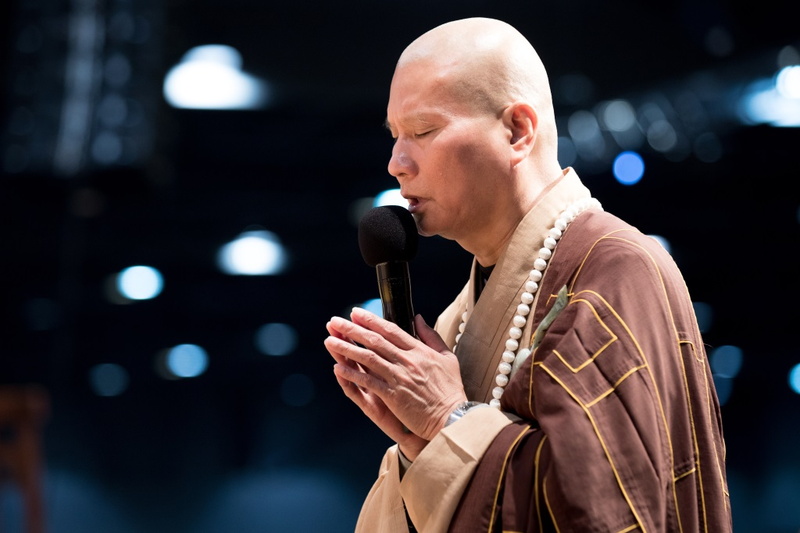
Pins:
<point x="513" y="356"/>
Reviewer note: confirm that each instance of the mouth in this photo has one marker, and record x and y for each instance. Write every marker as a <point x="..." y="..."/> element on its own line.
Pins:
<point x="413" y="203"/>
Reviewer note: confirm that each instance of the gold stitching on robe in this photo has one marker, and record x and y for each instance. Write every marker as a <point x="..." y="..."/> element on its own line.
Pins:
<point x="625" y="376"/>
<point x="613" y="339"/>
<point x="600" y="439"/>
<point x="536" y="481"/>
<point x="503" y="473"/>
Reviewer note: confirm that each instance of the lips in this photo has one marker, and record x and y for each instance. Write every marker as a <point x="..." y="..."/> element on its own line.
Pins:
<point x="413" y="203"/>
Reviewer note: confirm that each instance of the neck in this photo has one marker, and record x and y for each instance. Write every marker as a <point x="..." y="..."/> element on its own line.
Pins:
<point x="490" y="253"/>
<point x="488" y="246"/>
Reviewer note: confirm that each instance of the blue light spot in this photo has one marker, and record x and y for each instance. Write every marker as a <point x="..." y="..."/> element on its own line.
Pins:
<point x="140" y="282"/>
<point x="187" y="360"/>
<point x="276" y="339"/>
<point x="705" y="315"/>
<point x="724" y="388"/>
<point x="663" y="242"/>
<point x="628" y="168"/>
<point x="794" y="378"/>
<point x="374" y="306"/>
<point x="390" y="197"/>
<point x="567" y="153"/>
<point x="108" y="379"/>
<point x="726" y="361"/>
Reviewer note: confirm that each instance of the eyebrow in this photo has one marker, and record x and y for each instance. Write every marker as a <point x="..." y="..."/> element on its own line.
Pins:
<point x="420" y="118"/>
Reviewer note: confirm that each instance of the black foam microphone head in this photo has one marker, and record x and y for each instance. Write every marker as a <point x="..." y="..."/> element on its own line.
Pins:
<point x="387" y="233"/>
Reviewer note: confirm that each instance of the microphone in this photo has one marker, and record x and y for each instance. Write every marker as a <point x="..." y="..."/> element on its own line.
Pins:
<point x="387" y="237"/>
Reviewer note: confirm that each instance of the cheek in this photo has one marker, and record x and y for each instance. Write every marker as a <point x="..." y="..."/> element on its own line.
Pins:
<point x="475" y="164"/>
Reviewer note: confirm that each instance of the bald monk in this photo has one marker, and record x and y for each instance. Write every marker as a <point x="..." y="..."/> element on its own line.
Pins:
<point x="566" y="388"/>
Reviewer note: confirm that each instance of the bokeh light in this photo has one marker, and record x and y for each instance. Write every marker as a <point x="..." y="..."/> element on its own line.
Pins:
<point x="186" y="360"/>
<point x="726" y="361"/>
<point x="628" y="168"/>
<point x="390" y="197"/>
<point x="374" y="306"/>
<point x="108" y="379"/>
<point x="794" y="378"/>
<point x="705" y="315"/>
<point x="211" y="77"/>
<point x="276" y="339"/>
<point x="253" y="253"/>
<point x="140" y="282"/>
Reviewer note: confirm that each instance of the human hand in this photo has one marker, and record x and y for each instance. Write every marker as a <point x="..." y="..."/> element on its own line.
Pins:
<point x="398" y="381"/>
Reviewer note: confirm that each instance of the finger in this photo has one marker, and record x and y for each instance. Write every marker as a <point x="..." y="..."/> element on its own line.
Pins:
<point x="429" y="336"/>
<point x="389" y="331"/>
<point x="372" y="342"/>
<point x="337" y="356"/>
<point x="333" y="331"/>
<point x="361" y="379"/>
<point x="370" y="403"/>
<point x="366" y="358"/>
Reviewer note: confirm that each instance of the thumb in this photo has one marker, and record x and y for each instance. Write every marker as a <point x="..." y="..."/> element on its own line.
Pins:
<point x="429" y="336"/>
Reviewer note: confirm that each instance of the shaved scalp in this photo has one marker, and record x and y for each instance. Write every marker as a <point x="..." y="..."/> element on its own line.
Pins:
<point x="488" y="64"/>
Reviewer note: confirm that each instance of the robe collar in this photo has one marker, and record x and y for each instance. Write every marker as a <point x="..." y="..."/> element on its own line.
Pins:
<point x="482" y="342"/>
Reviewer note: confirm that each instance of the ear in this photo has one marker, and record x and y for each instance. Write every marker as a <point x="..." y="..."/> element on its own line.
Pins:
<point x="522" y="123"/>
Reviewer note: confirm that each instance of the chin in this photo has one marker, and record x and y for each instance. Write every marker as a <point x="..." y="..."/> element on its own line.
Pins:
<point x="422" y="228"/>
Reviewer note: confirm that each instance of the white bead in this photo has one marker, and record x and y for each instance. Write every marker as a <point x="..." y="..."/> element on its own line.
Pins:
<point x="519" y="321"/>
<point x="458" y="338"/>
<point x="464" y="316"/>
<point x="527" y="298"/>
<point x="494" y="402"/>
<point x="560" y="224"/>
<point x="540" y="264"/>
<point x="550" y="243"/>
<point x="531" y="286"/>
<point x="508" y="357"/>
<point x="555" y="233"/>
<point x="535" y="275"/>
<point x="523" y="310"/>
<point x="515" y="333"/>
<point x="501" y="380"/>
<point x="545" y="254"/>
<point x="512" y="345"/>
<point x="504" y="368"/>
<point x="462" y="327"/>
<point x="497" y="392"/>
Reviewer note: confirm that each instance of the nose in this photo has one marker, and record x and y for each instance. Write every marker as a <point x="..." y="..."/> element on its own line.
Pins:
<point x="401" y="164"/>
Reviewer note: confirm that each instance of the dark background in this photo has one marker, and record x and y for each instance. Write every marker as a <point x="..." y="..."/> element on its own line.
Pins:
<point x="233" y="450"/>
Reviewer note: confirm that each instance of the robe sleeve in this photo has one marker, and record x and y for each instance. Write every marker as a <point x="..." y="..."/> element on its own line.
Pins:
<point x="383" y="511"/>
<point x="595" y="402"/>
<point x="622" y="390"/>
<point x="435" y="481"/>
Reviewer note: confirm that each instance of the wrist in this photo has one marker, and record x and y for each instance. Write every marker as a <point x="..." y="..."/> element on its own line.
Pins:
<point x="462" y="409"/>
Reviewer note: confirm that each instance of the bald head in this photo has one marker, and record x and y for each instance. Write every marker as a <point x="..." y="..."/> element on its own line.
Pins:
<point x="489" y="64"/>
<point x="475" y="136"/>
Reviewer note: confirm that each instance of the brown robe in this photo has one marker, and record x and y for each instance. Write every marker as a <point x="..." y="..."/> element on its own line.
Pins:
<point x="619" y="426"/>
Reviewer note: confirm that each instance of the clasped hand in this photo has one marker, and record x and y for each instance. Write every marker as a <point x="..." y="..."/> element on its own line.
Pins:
<point x="407" y="386"/>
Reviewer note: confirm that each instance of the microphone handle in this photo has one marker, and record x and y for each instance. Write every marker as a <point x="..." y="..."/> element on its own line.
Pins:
<point x="394" y="284"/>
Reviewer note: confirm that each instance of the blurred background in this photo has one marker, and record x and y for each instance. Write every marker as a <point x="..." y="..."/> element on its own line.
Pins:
<point x="180" y="183"/>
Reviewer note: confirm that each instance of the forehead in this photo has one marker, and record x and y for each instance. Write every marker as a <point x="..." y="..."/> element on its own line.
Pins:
<point x="423" y="92"/>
